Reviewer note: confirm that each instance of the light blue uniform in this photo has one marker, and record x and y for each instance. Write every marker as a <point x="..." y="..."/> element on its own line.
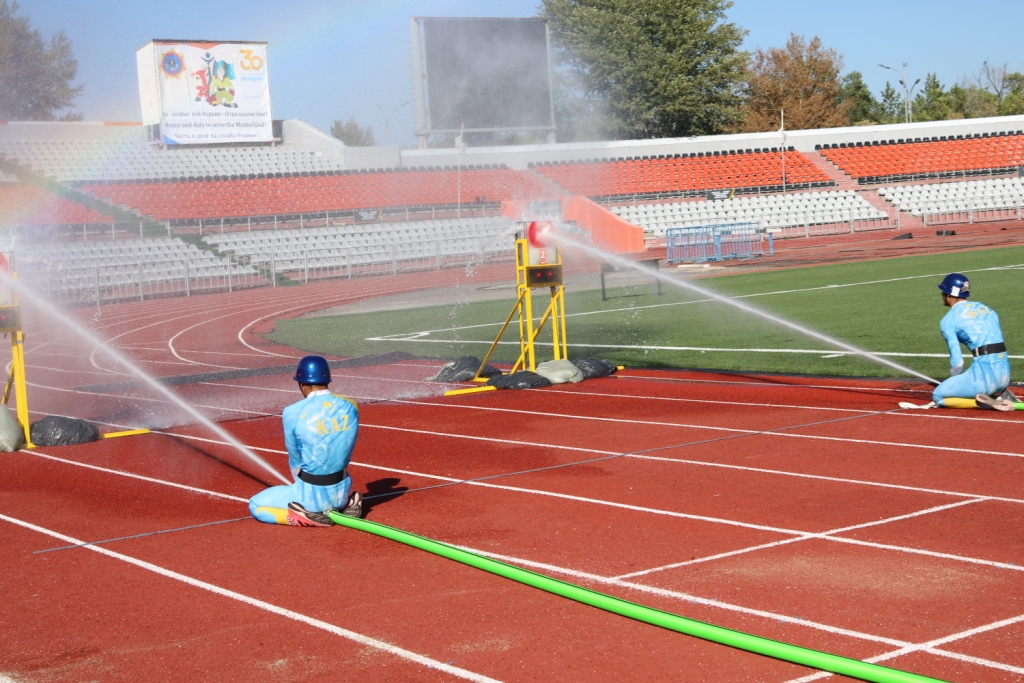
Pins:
<point x="974" y="324"/>
<point x="319" y="433"/>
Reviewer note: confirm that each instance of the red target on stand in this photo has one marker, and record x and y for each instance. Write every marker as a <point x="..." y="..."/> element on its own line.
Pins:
<point x="540" y="236"/>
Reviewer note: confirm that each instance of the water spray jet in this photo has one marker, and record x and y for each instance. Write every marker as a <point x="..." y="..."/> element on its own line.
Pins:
<point x="55" y="313"/>
<point x="626" y="263"/>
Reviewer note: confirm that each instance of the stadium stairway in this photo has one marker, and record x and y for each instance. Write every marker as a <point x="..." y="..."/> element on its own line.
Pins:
<point x="845" y="182"/>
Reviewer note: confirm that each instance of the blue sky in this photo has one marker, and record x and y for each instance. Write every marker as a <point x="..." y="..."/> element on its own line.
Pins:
<point x="335" y="59"/>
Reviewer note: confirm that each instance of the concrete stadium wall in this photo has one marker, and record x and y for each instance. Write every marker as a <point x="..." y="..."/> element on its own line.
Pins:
<point x="519" y="156"/>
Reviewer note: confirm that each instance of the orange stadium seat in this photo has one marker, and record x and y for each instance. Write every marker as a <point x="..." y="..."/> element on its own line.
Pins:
<point x="936" y="157"/>
<point x="31" y="205"/>
<point x="684" y="174"/>
<point x="314" y="193"/>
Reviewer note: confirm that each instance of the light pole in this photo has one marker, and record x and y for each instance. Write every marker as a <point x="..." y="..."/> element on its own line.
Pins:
<point x="387" y="118"/>
<point x="782" y="135"/>
<point x="908" y="107"/>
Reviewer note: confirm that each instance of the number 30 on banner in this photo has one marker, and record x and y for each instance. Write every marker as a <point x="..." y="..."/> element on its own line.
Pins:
<point x="250" y="62"/>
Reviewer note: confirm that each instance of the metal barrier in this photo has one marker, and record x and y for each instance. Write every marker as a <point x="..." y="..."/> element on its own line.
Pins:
<point x="381" y="258"/>
<point x="981" y="210"/>
<point x="716" y="242"/>
<point x="97" y="284"/>
<point x="808" y="223"/>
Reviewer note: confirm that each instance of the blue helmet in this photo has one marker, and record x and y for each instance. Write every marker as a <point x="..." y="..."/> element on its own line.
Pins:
<point x="313" y="370"/>
<point x="956" y="285"/>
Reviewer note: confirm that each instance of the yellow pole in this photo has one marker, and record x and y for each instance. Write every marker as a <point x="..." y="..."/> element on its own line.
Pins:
<point x="540" y="326"/>
<point x="561" y="319"/>
<point x="554" y="324"/>
<point x="20" y="387"/>
<point x="515" y="308"/>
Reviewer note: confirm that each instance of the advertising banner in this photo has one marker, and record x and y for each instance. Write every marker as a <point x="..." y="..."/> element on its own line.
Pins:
<point x="206" y="92"/>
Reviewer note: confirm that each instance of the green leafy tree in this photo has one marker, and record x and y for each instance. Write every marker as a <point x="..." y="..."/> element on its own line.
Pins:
<point x="932" y="103"/>
<point x="890" y="107"/>
<point x="858" y="98"/>
<point x="35" y="76"/>
<point x="650" y="68"/>
<point x="1013" y="101"/>
<point x="352" y="134"/>
<point x="801" y="79"/>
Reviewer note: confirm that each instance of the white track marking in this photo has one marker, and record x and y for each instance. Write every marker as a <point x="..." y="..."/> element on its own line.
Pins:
<point x="701" y="301"/>
<point x="776" y="385"/>
<point x="644" y="588"/>
<point x="931" y="647"/>
<point x="260" y="604"/>
<point x="827" y="535"/>
<point x="151" y="400"/>
<point x="684" y="425"/>
<point x="122" y="473"/>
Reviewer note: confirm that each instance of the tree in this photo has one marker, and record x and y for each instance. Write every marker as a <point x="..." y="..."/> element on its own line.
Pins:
<point x="802" y="79"/>
<point x="650" y="68"/>
<point x="890" y="108"/>
<point x="858" y="98"/>
<point x="35" y="77"/>
<point x="352" y="134"/>
<point x="1013" y="102"/>
<point x="932" y="102"/>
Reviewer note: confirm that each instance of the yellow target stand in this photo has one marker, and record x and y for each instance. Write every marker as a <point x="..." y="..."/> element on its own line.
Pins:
<point x="538" y="265"/>
<point x="10" y="324"/>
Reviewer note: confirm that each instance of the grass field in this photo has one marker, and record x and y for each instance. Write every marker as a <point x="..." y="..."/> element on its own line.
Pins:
<point x="887" y="306"/>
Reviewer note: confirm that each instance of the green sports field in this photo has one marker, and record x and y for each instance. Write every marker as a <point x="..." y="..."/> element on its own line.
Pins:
<point x="890" y="306"/>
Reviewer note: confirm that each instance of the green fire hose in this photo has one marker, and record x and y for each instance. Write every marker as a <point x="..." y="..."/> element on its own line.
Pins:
<point x="717" y="634"/>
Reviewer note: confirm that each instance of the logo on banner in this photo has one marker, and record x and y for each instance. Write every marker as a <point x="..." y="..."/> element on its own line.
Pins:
<point x="172" y="64"/>
<point x="216" y="82"/>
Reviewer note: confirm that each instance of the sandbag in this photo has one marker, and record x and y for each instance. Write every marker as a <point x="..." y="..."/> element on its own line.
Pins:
<point x="463" y="370"/>
<point x="519" y="380"/>
<point x="11" y="434"/>
<point x="560" y="371"/>
<point x="594" y="367"/>
<point x="54" y="430"/>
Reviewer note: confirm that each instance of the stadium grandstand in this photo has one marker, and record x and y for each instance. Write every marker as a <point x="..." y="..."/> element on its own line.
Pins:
<point x="307" y="198"/>
<point x="802" y="213"/>
<point x="882" y="161"/>
<point x="747" y="170"/>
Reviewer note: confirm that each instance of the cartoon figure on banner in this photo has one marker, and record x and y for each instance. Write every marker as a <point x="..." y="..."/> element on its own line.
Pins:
<point x="216" y="82"/>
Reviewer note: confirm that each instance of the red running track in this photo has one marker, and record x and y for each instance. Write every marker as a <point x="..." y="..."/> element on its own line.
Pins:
<point x="806" y="510"/>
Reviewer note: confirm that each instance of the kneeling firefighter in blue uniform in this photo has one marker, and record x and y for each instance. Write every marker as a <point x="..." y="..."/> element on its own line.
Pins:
<point x="319" y="433"/>
<point x="975" y="325"/>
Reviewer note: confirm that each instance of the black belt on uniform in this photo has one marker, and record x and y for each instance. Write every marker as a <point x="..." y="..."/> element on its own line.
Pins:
<point x="323" y="479"/>
<point x="988" y="348"/>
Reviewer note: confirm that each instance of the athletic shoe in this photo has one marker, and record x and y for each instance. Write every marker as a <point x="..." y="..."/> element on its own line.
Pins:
<point x="300" y="516"/>
<point x="914" y="406"/>
<point x="1008" y="396"/>
<point x="355" y="506"/>
<point x="986" y="402"/>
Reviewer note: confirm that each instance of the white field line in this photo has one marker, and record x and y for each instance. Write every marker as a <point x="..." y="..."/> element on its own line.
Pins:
<point x="684" y="425"/>
<point x="630" y="309"/>
<point x="931" y="647"/>
<point x="654" y="347"/>
<point x="825" y="535"/>
<point x="260" y="604"/>
<point x="797" y="534"/>
<point x="776" y="385"/>
<point x="663" y="592"/>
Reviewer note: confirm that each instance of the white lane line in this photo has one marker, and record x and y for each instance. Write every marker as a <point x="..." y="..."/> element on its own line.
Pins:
<point x="658" y="347"/>
<point x="776" y="385"/>
<point x="151" y="400"/>
<point x="683" y="425"/>
<point x="123" y="473"/>
<point x="663" y="592"/>
<point x="828" y="536"/>
<point x="796" y="534"/>
<point x="931" y="647"/>
<point x="707" y="401"/>
<point x="260" y="604"/>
